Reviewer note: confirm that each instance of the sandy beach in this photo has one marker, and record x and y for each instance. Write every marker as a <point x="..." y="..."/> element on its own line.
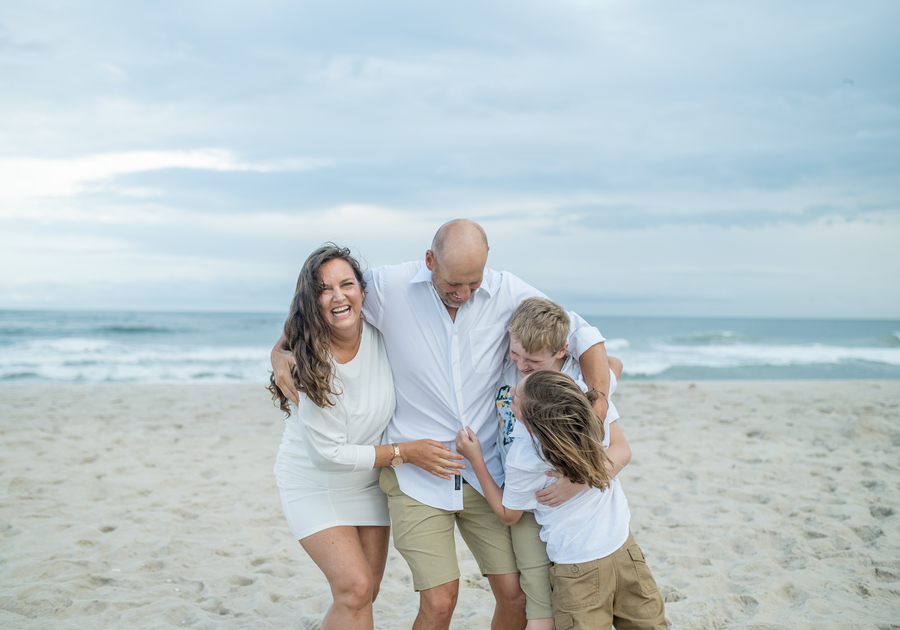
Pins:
<point x="762" y="505"/>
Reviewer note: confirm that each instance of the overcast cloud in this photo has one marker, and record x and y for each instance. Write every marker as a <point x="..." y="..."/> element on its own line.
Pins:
<point x="641" y="158"/>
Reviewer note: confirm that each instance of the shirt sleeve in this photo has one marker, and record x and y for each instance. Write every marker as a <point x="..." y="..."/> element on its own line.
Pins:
<point x="581" y="335"/>
<point x="373" y="305"/>
<point x="520" y="486"/>
<point x="324" y="433"/>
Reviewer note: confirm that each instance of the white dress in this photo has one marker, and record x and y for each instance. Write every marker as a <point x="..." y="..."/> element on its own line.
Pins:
<point x="325" y="462"/>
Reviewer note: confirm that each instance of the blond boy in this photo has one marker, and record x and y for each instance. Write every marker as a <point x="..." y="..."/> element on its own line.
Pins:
<point x="537" y="334"/>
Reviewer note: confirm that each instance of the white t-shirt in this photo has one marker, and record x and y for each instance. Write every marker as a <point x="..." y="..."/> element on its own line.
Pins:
<point x="590" y="526"/>
<point x="506" y="432"/>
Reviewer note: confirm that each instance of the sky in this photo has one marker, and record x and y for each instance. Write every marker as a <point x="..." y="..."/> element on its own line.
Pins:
<point x="737" y="159"/>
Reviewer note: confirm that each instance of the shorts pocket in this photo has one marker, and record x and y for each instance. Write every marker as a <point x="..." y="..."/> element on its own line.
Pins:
<point x="642" y="571"/>
<point x="575" y="587"/>
<point x="563" y="621"/>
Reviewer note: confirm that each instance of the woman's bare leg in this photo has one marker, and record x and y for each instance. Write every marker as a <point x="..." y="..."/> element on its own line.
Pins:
<point x="374" y="542"/>
<point x="339" y="553"/>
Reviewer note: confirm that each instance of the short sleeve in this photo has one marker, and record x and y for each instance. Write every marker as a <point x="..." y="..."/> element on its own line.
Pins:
<point x="520" y="486"/>
<point x="524" y="476"/>
<point x="582" y="335"/>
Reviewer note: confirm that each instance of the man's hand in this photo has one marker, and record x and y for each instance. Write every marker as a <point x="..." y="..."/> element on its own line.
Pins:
<point x="432" y="456"/>
<point x="558" y="493"/>
<point x="282" y="364"/>
<point x="468" y="445"/>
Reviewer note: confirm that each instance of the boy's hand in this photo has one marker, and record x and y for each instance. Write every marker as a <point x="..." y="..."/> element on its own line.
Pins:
<point x="467" y="444"/>
<point x="558" y="493"/>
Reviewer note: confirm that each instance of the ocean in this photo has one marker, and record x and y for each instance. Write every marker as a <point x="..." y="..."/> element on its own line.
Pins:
<point x="94" y="347"/>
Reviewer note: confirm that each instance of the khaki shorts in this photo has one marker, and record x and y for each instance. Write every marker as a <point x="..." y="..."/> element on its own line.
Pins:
<point x="534" y="566"/>
<point x="616" y="590"/>
<point x="424" y="535"/>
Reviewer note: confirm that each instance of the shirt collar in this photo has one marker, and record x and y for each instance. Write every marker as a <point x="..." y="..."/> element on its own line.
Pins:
<point x="424" y="275"/>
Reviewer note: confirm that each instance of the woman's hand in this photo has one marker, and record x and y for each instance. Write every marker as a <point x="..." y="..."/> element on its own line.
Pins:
<point x="468" y="445"/>
<point x="432" y="456"/>
<point x="558" y="493"/>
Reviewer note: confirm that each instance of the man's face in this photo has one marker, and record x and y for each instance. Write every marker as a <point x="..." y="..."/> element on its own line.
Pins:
<point x="528" y="362"/>
<point x="454" y="284"/>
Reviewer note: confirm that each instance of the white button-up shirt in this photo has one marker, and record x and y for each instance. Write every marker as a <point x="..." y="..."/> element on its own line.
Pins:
<point x="446" y="371"/>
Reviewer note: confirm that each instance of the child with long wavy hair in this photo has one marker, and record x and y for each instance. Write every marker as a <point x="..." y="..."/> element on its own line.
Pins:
<point x="599" y="577"/>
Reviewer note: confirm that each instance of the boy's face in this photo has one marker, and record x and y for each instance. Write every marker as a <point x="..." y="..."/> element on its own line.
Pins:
<point x="527" y="362"/>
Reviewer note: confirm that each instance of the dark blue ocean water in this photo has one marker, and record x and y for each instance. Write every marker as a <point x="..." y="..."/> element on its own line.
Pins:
<point x="60" y="346"/>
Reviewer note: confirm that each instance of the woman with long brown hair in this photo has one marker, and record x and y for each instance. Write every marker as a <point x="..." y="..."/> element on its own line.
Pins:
<point x="327" y="467"/>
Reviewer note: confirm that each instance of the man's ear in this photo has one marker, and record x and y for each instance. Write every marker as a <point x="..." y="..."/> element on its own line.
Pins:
<point x="429" y="260"/>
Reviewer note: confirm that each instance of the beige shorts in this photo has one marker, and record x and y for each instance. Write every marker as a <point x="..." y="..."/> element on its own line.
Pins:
<point x="425" y="538"/>
<point x="534" y="566"/>
<point x="617" y="590"/>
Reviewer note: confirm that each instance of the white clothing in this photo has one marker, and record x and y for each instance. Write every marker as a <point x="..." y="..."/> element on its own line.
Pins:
<point x="325" y="466"/>
<point x="507" y="431"/>
<point x="444" y="370"/>
<point x="590" y="526"/>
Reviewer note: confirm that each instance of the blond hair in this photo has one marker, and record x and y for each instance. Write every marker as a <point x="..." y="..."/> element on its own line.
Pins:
<point x="539" y="324"/>
<point x="570" y="434"/>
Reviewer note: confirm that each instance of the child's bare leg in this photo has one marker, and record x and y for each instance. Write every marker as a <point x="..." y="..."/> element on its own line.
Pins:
<point x="540" y="624"/>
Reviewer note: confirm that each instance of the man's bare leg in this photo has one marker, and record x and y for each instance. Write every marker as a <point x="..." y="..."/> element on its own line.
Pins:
<point x="436" y="606"/>
<point x="509" y="611"/>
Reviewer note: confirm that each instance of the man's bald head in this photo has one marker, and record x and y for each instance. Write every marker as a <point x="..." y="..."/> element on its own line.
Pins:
<point x="460" y="236"/>
<point x="456" y="259"/>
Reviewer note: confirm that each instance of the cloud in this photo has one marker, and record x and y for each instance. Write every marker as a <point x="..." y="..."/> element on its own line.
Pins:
<point x="23" y="178"/>
<point x="114" y="71"/>
<point x="667" y="137"/>
<point x="633" y="218"/>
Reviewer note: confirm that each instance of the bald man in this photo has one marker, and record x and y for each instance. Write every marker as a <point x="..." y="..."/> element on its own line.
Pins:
<point x="444" y="327"/>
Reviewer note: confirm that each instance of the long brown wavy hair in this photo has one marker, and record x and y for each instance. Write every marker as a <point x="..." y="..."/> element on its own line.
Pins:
<point x="307" y="334"/>
<point x="569" y="432"/>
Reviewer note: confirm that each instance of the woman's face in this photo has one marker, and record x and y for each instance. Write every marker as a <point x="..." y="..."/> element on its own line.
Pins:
<point x="341" y="301"/>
